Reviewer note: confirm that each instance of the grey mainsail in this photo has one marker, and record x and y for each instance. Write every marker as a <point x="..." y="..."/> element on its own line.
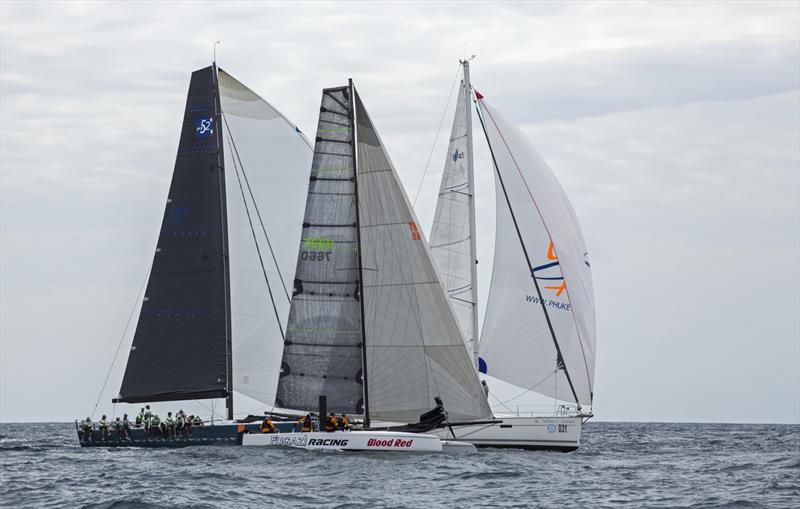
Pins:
<point x="370" y="326"/>
<point x="181" y="346"/>
<point x="323" y="348"/>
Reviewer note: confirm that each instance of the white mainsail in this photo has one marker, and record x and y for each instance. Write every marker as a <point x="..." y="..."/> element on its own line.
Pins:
<point x="452" y="243"/>
<point x="276" y="159"/>
<point x="516" y="345"/>
<point x="414" y="349"/>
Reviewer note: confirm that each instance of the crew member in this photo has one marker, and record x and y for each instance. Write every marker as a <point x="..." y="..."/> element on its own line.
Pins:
<point x="139" y="418"/>
<point x="342" y="423"/>
<point x="197" y="421"/>
<point x="330" y="424"/>
<point x="180" y="423"/>
<point x="118" y="428"/>
<point x="88" y="430"/>
<point x="267" y="426"/>
<point x="485" y="388"/>
<point x="169" y="425"/>
<point x="155" y="424"/>
<point x="104" y="427"/>
<point x="305" y="423"/>
<point x="126" y="427"/>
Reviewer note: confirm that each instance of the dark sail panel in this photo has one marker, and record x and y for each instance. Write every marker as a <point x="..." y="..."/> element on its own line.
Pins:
<point x="179" y="349"/>
<point x="322" y="352"/>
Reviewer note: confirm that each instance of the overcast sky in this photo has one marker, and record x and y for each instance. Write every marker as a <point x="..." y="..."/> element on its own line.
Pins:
<point x="673" y="127"/>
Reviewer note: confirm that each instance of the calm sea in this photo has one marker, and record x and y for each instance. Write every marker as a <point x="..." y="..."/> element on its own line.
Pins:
<point x="619" y="465"/>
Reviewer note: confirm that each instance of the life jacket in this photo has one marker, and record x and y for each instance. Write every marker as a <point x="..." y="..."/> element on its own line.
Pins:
<point x="307" y="424"/>
<point x="267" y="426"/>
<point x="331" y="425"/>
<point x="343" y="423"/>
<point x="139" y="419"/>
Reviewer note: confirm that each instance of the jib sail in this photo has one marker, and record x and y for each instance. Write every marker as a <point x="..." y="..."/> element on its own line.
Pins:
<point x="414" y="348"/>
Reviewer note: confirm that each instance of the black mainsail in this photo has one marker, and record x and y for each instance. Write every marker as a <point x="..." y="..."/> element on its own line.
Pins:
<point x="181" y="349"/>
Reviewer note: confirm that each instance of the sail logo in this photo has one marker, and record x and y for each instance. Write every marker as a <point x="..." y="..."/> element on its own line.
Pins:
<point x="552" y="262"/>
<point x="415" y="235"/>
<point x="204" y="127"/>
<point x="457" y="155"/>
<point x="175" y="214"/>
<point x="549" y="303"/>
<point x="318" y="243"/>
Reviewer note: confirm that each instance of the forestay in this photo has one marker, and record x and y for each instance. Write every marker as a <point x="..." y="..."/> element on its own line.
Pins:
<point x="414" y="348"/>
<point x="267" y="161"/>
<point x="450" y="243"/>
<point x="323" y="349"/>
<point x="516" y="345"/>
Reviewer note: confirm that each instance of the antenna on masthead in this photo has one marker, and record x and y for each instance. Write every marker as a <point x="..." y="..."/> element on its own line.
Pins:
<point x="215" y="51"/>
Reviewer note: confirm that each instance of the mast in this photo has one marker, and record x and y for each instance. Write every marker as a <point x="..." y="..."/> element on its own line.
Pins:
<point x="560" y="364"/>
<point x="351" y="91"/>
<point x="472" y="237"/>
<point x="225" y="251"/>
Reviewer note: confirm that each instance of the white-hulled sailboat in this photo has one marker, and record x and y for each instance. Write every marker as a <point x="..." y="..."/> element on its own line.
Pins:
<point x="370" y="331"/>
<point x="539" y="327"/>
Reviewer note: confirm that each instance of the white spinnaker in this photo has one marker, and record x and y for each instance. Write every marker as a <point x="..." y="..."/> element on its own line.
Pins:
<point x="516" y="345"/>
<point x="414" y="348"/>
<point x="276" y="158"/>
<point x="450" y="235"/>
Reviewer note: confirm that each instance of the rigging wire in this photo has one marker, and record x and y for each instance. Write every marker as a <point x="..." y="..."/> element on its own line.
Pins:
<point x="436" y="138"/>
<point x="258" y="212"/>
<point x="119" y="345"/>
<point x="253" y="231"/>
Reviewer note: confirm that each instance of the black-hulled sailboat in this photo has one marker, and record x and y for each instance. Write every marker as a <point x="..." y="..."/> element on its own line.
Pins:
<point x="370" y="327"/>
<point x="210" y="321"/>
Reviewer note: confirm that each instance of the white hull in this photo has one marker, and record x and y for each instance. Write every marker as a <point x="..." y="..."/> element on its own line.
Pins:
<point x="387" y="441"/>
<point x="543" y="433"/>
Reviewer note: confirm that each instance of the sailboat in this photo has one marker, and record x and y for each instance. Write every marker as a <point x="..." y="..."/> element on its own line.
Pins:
<point x="539" y="328"/>
<point x="211" y="313"/>
<point x="370" y="330"/>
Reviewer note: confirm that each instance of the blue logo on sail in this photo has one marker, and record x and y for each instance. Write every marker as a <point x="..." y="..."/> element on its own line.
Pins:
<point x="204" y="127"/>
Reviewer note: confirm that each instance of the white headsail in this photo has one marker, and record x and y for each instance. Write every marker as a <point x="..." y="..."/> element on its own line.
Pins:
<point x="452" y="243"/>
<point x="267" y="155"/>
<point x="414" y="348"/>
<point x="516" y="343"/>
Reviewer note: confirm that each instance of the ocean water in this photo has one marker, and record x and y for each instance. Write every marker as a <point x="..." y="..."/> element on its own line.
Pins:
<point x="618" y="465"/>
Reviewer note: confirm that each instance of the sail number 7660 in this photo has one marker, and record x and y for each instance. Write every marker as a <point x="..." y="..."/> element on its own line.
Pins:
<point x="318" y="256"/>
